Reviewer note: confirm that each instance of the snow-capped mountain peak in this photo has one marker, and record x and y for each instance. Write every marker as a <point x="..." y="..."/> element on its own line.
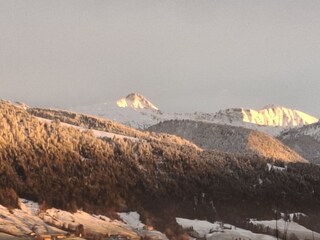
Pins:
<point x="136" y="101"/>
<point x="274" y="115"/>
<point x="271" y="115"/>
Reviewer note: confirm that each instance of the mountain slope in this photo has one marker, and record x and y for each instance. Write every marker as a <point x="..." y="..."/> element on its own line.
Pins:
<point x="62" y="166"/>
<point x="136" y="101"/>
<point x="230" y="139"/>
<point x="137" y="111"/>
<point x="304" y="140"/>
<point x="271" y="115"/>
<point x="133" y="110"/>
<point x="271" y="119"/>
<point x="104" y="127"/>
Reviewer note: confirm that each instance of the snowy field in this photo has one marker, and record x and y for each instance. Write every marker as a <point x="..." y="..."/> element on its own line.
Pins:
<point x="217" y="231"/>
<point x="290" y="227"/>
<point x="19" y="223"/>
<point x="30" y="220"/>
<point x="133" y="220"/>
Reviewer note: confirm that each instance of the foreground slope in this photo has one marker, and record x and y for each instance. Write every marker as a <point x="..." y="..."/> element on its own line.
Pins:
<point x="31" y="220"/>
<point x="229" y="139"/>
<point x="160" y="176"/>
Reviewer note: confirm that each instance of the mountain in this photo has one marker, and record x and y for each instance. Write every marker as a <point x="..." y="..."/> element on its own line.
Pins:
<point x="304" y="140"/>
<point x="134" y="110"/>
<point x="237" y="140"/>
<point x="271" y="119"/>
<point x="271" y="115"/>
<point x="136" y="101"/>
<point x="137" y="111"/>
<point x="71" y="161"/>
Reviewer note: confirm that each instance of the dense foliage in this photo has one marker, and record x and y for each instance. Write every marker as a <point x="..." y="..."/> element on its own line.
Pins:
<point x="231" y="139"/>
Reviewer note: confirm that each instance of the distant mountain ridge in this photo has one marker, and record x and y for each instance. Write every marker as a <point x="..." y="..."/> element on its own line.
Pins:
<point x="137" y="111"/>
<point x="271" y="115"/>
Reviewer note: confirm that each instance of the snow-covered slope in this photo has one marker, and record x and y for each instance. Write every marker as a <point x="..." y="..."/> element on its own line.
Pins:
<point x="289" y="228"/>
<point x="134" y="110"/>
<point x="271" y="115"/>
<point x="271" y="119"/>
<point x="218" y="231"/>
<point x="221" y="231"/>
<point x="304" y="140"/>
<point x="30" y="221"/>
<point x="137" y="111"/>
<point x="136" y="101"/>
<point x="24" y="221"/>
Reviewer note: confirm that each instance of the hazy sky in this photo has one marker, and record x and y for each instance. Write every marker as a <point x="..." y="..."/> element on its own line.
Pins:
<point x="182" y="55"/>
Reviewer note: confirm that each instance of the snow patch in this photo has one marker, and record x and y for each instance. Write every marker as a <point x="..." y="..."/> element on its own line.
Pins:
<point x="132" y="219"/>
<point x="289" y="227"/>
<point x="218" y="230"/>
<point x="273" y="167"/>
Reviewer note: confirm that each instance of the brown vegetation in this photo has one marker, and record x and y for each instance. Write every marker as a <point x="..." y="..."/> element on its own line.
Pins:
<point x="225" y="138"/>
<point x="60" y="166"/>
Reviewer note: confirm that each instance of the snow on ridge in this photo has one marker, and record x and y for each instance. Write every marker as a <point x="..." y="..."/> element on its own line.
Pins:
<point x="138" y="112"/>
<point x="275" y="116"/>
<point x="31" y="220"/>
<point x="136" y="101"/>
<point x="96" y="133"/>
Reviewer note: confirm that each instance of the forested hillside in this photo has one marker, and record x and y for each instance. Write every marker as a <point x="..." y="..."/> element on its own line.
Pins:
<point x="225" y="138"/>
<point x="60" y="166"/>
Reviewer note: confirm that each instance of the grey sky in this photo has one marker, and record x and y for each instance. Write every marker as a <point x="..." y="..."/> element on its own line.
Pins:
<point x="183" y="55"/>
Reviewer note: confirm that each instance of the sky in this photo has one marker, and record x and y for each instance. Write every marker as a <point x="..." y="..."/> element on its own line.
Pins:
<point x="184" y="56"/>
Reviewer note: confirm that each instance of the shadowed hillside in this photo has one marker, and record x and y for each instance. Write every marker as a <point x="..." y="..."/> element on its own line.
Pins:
<point x="304" y="140"/>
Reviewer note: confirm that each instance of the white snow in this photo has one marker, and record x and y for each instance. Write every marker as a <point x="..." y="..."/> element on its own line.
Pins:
<point x="298" y="215"/>
<point x="291" y="227"/>
<point x="219" y="231"/>
<point x="29" y="219"/>
<point x="200" y="226"/>
<point x="20" y="222"/>
<point x="277" y="116"/>
<point x="136" y="101"/>
<point x="97" y="133"/>
<point x="93" y="223"/>
<point x="312" y="130"/>
<point x="136" y="111"/>
<point x="29" y="207"/>
<point x="237" y="233"/>
<point x="273" y="167"/>
<point x="271" y="119"/>
<point x="132" y="219"/>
